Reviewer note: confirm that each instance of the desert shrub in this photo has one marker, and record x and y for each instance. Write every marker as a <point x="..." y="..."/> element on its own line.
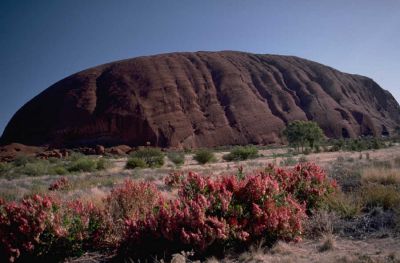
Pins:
<point x="23" y="160"/>
<point x="381" y="176"/>
<point x="5" y="168"/>
<point x="307" y="182"/>
<point x="40" y="227"/>
<point x="212" y="214"/>
<point x="103" y="164"/>
<point x="59" y="184"/>
<point x="178" y="158"/>
<point x="328" y="243"/>
<point x="321" y="223"/>
<point x="75" y="156"/>
<point x="135" y="162"/>
<point x="348" y="177"/>
<point x="83" y="164"/>
<point x="153" y="157"/>
<point x="131" y="200"/>
<point x="37" y="167"/>
<point x="359" y="144"/>
<point x="204" y="156"/>
<point x="83" y="228"/>
<point x="386" y="164"/>
<point x="303" y="159"/>
<point x="347" y="206"/>
<point x="240" y="153"/>
<point x="22" y="225"/>
<point x="174" y="179"/>
<point x="34" y="168"/>
<point x="289" y="161"/>
<point x="59" y="170"/>
<point x="387" y="197"/>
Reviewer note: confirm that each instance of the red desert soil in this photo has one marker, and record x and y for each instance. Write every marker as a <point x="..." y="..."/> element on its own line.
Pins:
<point x="201" y="99"/>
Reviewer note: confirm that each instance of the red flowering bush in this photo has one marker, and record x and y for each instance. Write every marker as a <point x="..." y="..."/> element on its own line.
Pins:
<point x="60" y="184"/>
<point x="41" y="227"/>
<point x="132" y="200"/>
<point x="174" y="179"/>
<point x="213" y="213"/>
<point x="307" y="182"/>
<point x="82" y="227"/>
<point x="22" y="226"/>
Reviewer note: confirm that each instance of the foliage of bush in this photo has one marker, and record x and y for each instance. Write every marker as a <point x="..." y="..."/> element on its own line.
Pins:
<point x="40" y="227"/>
<point x="347" y="206"/>
<point x="135" y="162"/>
<point x="289" y="161"/>
<point x="36" y="167"/>
<point x="174" y="179"/>
<point x="131" y="200"/>
<point x="210" y="214"/>
<point x="301" y="134"/>
<point x="83" y="164"/>
<point x="153" y="157"/>
<point x="375" y="195"/>
<point x="60" y="184"/>
<point x="204" y="156"/>
<point x="178" y="158"/>
<point x="359" y="144"/>
<point x="240" y="153"/>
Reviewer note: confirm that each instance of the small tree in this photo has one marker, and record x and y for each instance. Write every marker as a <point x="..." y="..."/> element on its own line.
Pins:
<point x="303" y="133"/>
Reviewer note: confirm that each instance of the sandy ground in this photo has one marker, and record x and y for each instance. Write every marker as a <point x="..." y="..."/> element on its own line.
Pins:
<point x="342" y="250"/>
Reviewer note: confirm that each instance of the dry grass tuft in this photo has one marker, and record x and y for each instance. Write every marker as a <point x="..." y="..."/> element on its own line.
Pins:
<point x="379" y="175"/>
<point x="281" y="248"/>
<point x="320" y="224"/>
<point x="387" y="197"/>
<point x="328" y="243"/>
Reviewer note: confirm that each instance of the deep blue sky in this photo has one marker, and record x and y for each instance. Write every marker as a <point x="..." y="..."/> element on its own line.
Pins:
<point x="44" y="41"/>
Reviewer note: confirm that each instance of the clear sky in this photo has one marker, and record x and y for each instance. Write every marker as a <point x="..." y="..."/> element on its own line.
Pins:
<point x="43" y="41"/>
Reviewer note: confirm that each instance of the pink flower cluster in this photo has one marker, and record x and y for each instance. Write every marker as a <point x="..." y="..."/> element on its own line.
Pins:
<point x="269" y="204"/>
<point x="39" y="225"/>
<point x="21" y="225"/>
<point x="60" y="184"/>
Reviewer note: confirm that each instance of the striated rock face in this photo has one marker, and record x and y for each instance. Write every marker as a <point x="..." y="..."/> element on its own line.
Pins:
<point x="202" y="99"/>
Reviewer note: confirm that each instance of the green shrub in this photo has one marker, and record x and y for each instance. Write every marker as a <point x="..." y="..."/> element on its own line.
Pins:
<point x="75" y="156"/>
<point x="240" y="153"/>
<point x="303" y="159"/>
<point x="59" y="170"/>
<point x="345" y="205"/>
<point x="5" y="168"/>
<point x="35" y="168"/>
<point x="204" y="156"/>
<point x="153" y="157"/>
<point x="135" y="162"/>
<point x="178" y="158"/>
<point x="103" y="164"/>
<point x="22" y="160"/>
<point x="360" y="144"/>
<point x="289" y="161"/>
<point x="83" y="164"/>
